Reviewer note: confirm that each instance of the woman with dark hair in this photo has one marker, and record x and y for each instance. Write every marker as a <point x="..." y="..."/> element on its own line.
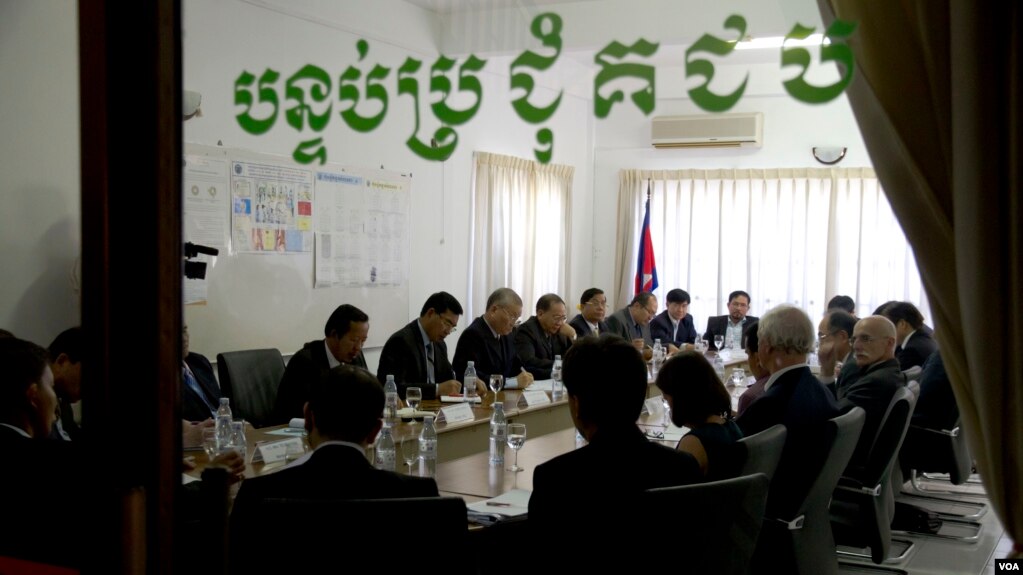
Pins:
<point x="699" y="401"/>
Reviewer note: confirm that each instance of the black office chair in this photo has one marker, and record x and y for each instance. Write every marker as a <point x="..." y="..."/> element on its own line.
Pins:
<point x="763" y="451"/>
<point x="715" y="524"/>
<point x="863" y="504"/>
<point x="250" y="379"/>
<point x="801" y="542"/>
<point x="344" y="536"/>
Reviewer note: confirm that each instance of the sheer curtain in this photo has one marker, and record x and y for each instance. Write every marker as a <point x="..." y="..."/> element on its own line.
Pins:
<point x="521" y="225"/>
<point x="796" y="236"/>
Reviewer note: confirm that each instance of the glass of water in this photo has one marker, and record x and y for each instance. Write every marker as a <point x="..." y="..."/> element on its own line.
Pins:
<point x="413" y="397"/>
<point x="496" y="384"/>
<point x="516" y="439"/>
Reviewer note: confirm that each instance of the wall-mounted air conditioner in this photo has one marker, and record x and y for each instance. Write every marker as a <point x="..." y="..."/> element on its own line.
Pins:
<point x="708" y="131"/>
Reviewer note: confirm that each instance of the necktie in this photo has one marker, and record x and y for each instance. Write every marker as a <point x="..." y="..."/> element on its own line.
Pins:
<point x="192" y="384"/>
<point x="429" y="363"/>
<point x="674" y="333"/>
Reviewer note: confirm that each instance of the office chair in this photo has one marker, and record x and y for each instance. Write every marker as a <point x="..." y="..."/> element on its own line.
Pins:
<point x="250" y="379"/>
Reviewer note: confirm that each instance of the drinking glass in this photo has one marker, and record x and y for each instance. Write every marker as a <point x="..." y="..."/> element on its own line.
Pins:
<point x="701" y="345"/>
<point x="516" y="439"/>
<point x="667" y="412"/>
<point x="738" y="382"/>
<point x="238" y="441"/>
<point x="410" y="449"/>
<point x="209" y="442"/>
<point x="413" y="396"/>
<point x="496" y="384"/>
<point x="718" y="341"/>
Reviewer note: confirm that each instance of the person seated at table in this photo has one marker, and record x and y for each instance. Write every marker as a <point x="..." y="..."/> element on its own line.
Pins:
<point x="66" y="362"/>
<point x="913" y="343"/>
<point x="699" y="401"/>
<point x="36" y="491"/>
<point x="343" y="416"/>
<point x="592" y="309"/>
<point x="346" y="331"/>
<point x="842" y="303"/>
<point x="583" y="491"/>
<point x="490" y="343"/>
<point x="730" y="326"/>
<point x="544" y="336"/>
<point x="200" y="394"/>
<point x="756" y="368"/>
<point x="632" y="322"/>
<point x="417" y="356"/>
<point x="674" y="326"/>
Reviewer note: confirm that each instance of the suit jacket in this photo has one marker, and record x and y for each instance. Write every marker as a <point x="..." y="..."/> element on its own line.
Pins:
<point x="873" y="391"/>
<point x="661" y="328"/>
<point x="801" y="403"/>
<point x="582" y="329"/>
<point x="718" y="325"/>
<point x="936" y="408"/>
<point x="332" y="472"/>
<point x="490" y="354"/>
<point x="620" y="323"/>
<point x="304" y="368"/>
<point x="192" y="406"/>
<point x="536" y="349"/>
<point x="919" y="347"/>
<point x="404" y="357"/>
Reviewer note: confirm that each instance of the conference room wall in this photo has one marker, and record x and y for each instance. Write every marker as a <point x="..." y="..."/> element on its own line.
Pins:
<point x="223" y="38"/>
<point x="40" y="223"/>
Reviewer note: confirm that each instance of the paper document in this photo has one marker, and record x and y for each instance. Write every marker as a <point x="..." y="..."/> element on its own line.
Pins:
<point x="511" y="504"/>
<point x="542" y="385"/>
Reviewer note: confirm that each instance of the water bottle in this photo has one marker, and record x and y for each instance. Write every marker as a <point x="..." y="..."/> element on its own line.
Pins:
<point x="469" y="389"/>
<point x="719" y="367"/>
<point x="384" y="454"/>
<point x="557" y="387"/>
<point x="224" y="419"/>
<point x="498" y="435"/>
<point x="657" y="359"/>
<point x="428" y="448"/>
<point x="390" y="401"/>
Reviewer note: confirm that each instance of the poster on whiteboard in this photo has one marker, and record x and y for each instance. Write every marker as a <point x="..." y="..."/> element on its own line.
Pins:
<point x="271" y="208"/>
<point x="361" y="229"/>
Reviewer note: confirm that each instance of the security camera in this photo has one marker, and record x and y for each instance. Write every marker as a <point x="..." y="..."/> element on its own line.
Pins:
<point x="190" y="103"/>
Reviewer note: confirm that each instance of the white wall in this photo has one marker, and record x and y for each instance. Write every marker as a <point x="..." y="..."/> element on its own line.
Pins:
<point x="40" y="223"/>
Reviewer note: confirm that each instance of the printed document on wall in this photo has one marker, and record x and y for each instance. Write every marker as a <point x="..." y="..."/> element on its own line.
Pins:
<point x="271" y="208"/>
<point x="361" y="229"/>
<point x="205" y="208"/>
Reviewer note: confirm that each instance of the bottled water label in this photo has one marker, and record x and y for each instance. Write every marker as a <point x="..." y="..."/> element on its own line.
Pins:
<point x="427" y="448"/>
<point x="385" y="460"/>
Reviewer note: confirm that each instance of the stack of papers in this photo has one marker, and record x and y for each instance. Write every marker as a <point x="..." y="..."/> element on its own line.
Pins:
<point x="514" y="504"/>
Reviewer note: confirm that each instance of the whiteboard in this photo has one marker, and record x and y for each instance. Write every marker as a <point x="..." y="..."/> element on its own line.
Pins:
<point x="258" y="299"/>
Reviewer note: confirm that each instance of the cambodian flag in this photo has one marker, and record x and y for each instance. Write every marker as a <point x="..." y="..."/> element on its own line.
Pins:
<point x="646" y="268"/>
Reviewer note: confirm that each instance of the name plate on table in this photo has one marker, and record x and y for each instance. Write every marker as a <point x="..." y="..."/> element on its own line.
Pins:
<point x="511" y="383"/>
<point x="653" y="406"/>
<point x="533" y="398"/>
<point x="277" y="451"/>
<point x="459" y="398"/>
<point x="456" y="413"/>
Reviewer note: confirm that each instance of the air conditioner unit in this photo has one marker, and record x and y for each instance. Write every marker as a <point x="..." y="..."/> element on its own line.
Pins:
<point x="709" y="131"/>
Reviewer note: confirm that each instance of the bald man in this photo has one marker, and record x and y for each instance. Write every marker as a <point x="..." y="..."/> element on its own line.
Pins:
<point x="877" y="377"/>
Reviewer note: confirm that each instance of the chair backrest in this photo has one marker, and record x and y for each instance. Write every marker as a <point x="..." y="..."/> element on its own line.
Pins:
<point x="842" y="432"/>
<point x="250" y="379"/>
<point x="763" y="451"/>
<point x="713" y="526"/>
<point x="913" y="373"/>
<point x="889" y="438"/>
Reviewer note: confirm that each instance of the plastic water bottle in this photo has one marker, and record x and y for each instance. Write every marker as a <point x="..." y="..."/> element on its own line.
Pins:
<point x="390" y="400"/>
<point x="498" y="435"/>
<point x="469" y="389"/>
<point x="385" y="456"/>
<point x="719" y="367"/>
<point x="223" y="422"/>
<point x="657" y="359"/>
<point x="557" y="386"/>
<point x="428" y="448"/>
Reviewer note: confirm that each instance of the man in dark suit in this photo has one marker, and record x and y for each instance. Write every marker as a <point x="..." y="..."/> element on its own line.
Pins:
<point x="417" y="356"/>
<point x="544" y="336"/>
<point x="592" y="309"/>
<point x="878" y="378"/>
<point x="842" y="303"/>
<point x="490" y="344"/>
<point x="346" y="331"/>
<point x="585" y="492"/>
<point x="915" y="345"/>
<point x="343" y="417"/>
<point x="66" y="362"/>
<point x="674" y="326"/>
<point x="834" y="334"/>
<point x="632" y="323"/>
<point x="730" y="326"/>
<point x="793" y="397"/>
<point x="200" y="394"/>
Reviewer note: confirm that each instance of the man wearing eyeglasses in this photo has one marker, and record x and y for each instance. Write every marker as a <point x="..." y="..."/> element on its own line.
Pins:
<point x="835" y="353"/>
<point x="488" y="342"/>
<point x="544" y="336"/>
<point x="592" y="309"/>
<point x="632" y="323"/>
<point x="730" y="325"/>
<point x="416" y="355"/>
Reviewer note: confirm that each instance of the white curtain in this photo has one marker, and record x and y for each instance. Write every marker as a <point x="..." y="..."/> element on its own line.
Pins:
<point x="798" y="236"/>
<point x="521" y="225"/>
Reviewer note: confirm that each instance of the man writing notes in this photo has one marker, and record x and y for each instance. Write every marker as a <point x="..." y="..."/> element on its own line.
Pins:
<point x="730" y="326"/>
<point x="674" y="326"/>
<point x="632" y="323"/>
<point x="592" y="309"/>
<point x="346" y="331"/>
<point x="417" y="356"/>
<point x="488" y="342"/>
<point x="544" y="336"/>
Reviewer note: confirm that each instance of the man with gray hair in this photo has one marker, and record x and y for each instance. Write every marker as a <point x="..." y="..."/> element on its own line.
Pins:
<point x="489" y="343"/>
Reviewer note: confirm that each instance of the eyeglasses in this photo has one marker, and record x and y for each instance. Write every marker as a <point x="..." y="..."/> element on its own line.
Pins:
<point x="596" y="303"/>
<point x="822" y="336"/>
<point x="451" y="326"/>
<point x="864" y="339"/>
<point x="558" y="318"/>
<point x="515" y="319"/>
